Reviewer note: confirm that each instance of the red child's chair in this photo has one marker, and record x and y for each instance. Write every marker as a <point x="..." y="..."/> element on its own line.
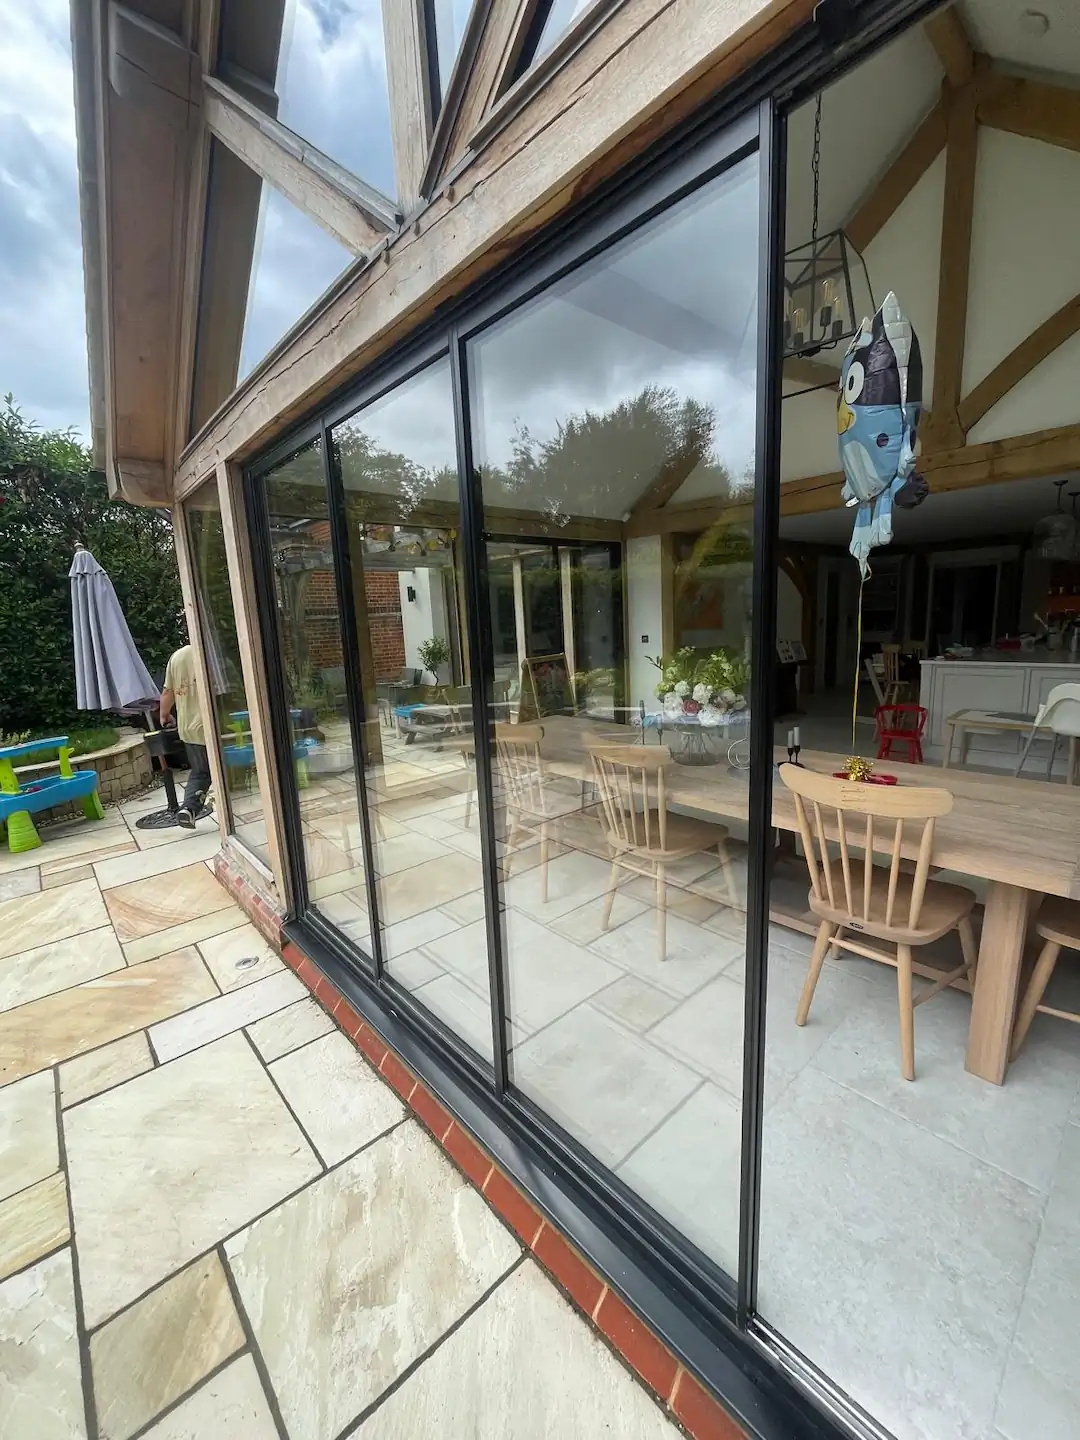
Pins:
<point x="900" y="725"/>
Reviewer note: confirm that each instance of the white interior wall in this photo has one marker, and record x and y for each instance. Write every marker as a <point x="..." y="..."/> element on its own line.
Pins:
<point x="789" y="608"/>
<point x="645" y="620"/>
<point x="425" y="616"/>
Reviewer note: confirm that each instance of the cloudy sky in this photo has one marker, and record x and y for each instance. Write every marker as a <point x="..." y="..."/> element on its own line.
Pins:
<point x="42" y="324"/>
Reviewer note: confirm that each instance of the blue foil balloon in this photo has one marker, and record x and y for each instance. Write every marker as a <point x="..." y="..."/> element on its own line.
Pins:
<point x="877" y="418"/>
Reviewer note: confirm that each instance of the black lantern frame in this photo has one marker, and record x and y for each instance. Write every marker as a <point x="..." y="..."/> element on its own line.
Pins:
<point x="819" y="300"/>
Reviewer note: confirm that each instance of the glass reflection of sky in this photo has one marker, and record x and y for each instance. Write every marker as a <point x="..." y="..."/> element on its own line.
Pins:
<point x="451" y="17"/>
<point x="673" y="306"/>
<point x="294" y="262"/>
<point x="415" y="420"/>
<point x="332" y="84"/>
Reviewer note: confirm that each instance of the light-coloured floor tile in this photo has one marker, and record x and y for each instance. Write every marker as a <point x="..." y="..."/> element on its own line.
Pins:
<point x="688" y="1170"/>
<point x="402" y="852"/>
<point x="100" y="1070"/>
<point x="229" y="1012"/>
<point x="29" y="1146"/>
<point x="58" y="1027"/>
<point x="70" y="867"/>
<point x="229" y="957"/>
<point x="635" y="1002"/>
<point x="858" y="1204"/>
<point x="686" y="904"/>
<point x="491" y="1380"/>
<point x="1040" y="1395"/>
<point x="174" y="835"/>
<point x="231" y="1405"/>
<point x="162" y="1346"/>
<point x="145" y="906"/>
<point x="89" y="836"/>
<point x="706" y="1031"/>
<point x="34" y="920"/>
<point x="188" y="932"/>
<point x="423" y="887"/>
<point x="396" y="1245"/>
<point x="58" y="965"/>
<point x="67" y="877"/>
<point x="343" y="908"/>
<point x="336" y="1096"/>
<point x="321" y="887"/>
<point x="573" y="879"/>
<point x="466" y="908"/>
<point x="153" y="1183"/>
<point x="20" y="882"/>
<point x="32" y="1223"/>
<point x="41" y="1394"/>
<point x="466" y="1012"/>
<point x="399" y="939"/>
<point x="290" y="1028"/>
<point x="693" y="955"/>
<point x="1017" y="1126"/>
<point x="585" y="924"/>
<point x="413" y="969"/>
<point x="605" y="1086"/>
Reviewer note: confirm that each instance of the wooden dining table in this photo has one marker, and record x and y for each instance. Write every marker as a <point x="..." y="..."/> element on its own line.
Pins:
<point x="1021" y="836"/>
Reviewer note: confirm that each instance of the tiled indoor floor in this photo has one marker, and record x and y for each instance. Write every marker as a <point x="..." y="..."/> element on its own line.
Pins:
<point x="920" y="1242"/>
<point x="216" y="1223"/>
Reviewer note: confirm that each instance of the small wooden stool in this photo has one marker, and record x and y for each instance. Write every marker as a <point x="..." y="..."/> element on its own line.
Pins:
<point x="1058" y="924"/>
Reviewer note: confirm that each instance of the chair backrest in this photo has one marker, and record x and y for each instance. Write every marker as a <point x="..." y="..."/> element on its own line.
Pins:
<point x="900" y="719"/>
<point x="823" y="806"/>
<point x="521" y="767"/>
<point x="1061" y="710"/>
<point x="409" y="676"/>
<point x="630" y="780"/>
<point x="890" y="657"/>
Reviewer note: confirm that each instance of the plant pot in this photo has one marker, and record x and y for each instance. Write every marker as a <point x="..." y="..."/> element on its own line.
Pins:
<point x="697" y="744"/>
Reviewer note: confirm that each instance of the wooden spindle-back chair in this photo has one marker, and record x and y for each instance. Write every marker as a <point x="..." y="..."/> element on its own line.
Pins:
<point x="852" y="897"/>
<point x="643" y="835"/>
<point x="533" y="804"/>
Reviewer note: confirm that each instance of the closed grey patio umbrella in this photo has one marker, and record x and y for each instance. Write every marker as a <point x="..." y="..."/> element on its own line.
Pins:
<point x="109" y="672"/>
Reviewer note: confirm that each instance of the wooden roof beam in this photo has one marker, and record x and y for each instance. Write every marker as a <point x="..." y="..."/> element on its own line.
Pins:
<point x="1043" y="341"/>
<point x="948" y="35"/>
<point x="355" y="214"/>
<point x="1032" y="108"/>
<point x="898" y="181"/>
<point x="409" y="84"/>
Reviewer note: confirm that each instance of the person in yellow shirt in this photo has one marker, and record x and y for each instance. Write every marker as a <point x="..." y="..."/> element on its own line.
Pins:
<point x="182" y="693"/>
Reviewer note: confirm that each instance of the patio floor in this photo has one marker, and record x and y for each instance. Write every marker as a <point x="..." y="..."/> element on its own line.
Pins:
<point x="215" y="1220"/>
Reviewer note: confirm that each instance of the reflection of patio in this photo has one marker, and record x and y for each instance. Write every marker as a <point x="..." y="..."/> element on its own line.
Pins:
<point x="642" y="1062"/>
<point x="204" y="1189"/>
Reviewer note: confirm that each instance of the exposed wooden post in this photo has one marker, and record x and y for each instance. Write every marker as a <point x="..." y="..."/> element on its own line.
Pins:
<point x="943" y="429"/>
<point x="188" y="586"/>
<point x="520" y="632"/>
<point x="404" y="31"/>
<point x="1043" y="341"/>
<point x="947" y="34"/>
<point x="566" y="590"/>
<point x="249" y="640"/>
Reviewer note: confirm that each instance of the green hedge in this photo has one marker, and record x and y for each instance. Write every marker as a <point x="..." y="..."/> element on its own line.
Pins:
<point x="50" y="500"/>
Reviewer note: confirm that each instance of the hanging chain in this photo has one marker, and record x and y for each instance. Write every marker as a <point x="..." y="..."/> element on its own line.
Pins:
<point x="816" y="165"/>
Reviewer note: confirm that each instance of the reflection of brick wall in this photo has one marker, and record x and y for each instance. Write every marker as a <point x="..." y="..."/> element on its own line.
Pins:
<point x="384" y="622"/>
<point x="322" y="626"/>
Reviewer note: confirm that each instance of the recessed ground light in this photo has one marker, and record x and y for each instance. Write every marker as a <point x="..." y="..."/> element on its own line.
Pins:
<point x="1034" y="23"/>
<point x="246" y="961"/>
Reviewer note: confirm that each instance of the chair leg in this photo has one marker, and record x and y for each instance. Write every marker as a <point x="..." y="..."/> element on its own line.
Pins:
<point x="970" y="949"/>
<point x="609" y="898"/>
<point x="661" y="910"/>
<point x="1024" y="755"/>
<point x="826" y="931"/>
<point x="1053" y="756"/>
<point x="544" y="863"/>
<point x="729" y="879"/>
<point x="906" y="998"/>
<point x="1040" y="978"/>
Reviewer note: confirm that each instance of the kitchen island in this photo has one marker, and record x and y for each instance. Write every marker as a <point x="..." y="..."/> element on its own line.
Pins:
<point x="1005" y="682"/>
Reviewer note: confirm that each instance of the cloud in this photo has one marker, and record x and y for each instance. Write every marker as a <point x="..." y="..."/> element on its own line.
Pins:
<point x="42" y="316"/>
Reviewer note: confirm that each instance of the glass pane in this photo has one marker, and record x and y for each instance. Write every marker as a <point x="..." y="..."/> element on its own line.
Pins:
<point x="560" y="17"/>
<point x="624" y="919"/>
<point x="451" y="17"/>
<point x="398" y="468"/>
<point x="331" y="83"/>
<point x="313" y="659"/>
<point x="294" y="261"/>
<point x="217" y="621"/>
